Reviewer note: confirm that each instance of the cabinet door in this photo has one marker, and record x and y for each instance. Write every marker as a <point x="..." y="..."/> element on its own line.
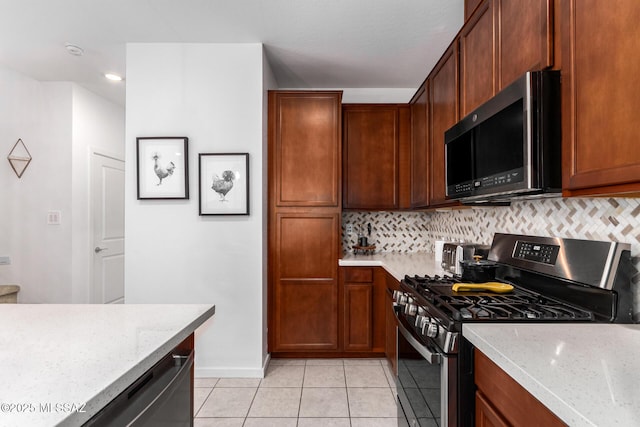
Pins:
<point x="486" y="415"/>
<point x="506" y="397"/>
<point x="305" y="300"/>
<point x="525" y="38"/>
<point x="358" y="316"/>
<point x="601" y="95"/>
<point x="477" y="59"/>
<point x="443" y="107"/>
<point x="306" y="147"/>
<point x="371" y="157"/>
<point x="420" y="148"/>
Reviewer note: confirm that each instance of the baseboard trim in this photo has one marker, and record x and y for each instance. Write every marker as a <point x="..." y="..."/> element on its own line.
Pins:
<point x="204" y="372"/>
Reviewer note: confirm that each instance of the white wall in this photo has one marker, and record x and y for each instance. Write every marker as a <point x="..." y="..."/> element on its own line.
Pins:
<point x="39" y="114"/>
<point x="212" y="94"/>
<point x="269" y="83"/>
<point x="45" y="116"/>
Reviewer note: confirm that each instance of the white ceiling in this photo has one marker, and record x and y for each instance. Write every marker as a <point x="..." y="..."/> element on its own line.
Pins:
<point x="309" y="43"/>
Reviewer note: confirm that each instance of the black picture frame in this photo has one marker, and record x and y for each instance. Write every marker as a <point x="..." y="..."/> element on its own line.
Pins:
<point x="224" y="183"/>
<point x="162" y="167"/>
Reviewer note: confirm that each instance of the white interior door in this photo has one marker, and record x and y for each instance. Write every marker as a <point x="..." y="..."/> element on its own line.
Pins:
<point x="107" y="213"/>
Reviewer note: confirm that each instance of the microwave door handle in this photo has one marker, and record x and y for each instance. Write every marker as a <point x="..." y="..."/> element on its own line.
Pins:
<point x="431" y="357"/>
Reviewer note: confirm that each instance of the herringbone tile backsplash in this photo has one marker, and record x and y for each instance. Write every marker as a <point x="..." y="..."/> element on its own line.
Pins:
<point x="616" y="219"/>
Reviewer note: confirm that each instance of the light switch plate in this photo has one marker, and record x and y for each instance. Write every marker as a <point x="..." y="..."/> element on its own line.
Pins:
<point x="54" y="217"/>
<point x="5" y="260"/>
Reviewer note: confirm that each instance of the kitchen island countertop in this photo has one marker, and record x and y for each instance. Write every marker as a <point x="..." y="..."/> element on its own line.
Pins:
<point x="587" y="374"/>
<point x="398" y="264"/>
<point x="62" y="363"/>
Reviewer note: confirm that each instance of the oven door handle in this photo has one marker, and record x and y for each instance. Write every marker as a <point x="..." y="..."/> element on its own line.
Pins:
<point x="431" y="357"/>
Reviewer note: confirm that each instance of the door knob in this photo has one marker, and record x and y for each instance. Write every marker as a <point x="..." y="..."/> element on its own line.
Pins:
<point x="98" y="249"/>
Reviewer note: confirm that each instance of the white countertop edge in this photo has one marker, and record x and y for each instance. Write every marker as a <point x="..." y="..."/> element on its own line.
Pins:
<point x="99" y="401"/>
<point x="398" y="264"/>
<point x="360" y="263"/>
<point x="553" y="402"/>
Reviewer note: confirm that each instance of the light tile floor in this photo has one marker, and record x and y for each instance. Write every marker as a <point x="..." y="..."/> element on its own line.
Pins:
<point x="301" y="393"/>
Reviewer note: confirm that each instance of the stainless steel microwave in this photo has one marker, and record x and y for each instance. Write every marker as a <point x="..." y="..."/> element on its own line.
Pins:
<point x="510" y="146"/>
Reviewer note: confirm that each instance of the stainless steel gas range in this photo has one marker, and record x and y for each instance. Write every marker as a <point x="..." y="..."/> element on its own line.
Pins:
<point x="553" y="279"/>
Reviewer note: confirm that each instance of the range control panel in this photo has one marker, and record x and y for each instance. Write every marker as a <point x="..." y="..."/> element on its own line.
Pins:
<point x="546" y="254"/>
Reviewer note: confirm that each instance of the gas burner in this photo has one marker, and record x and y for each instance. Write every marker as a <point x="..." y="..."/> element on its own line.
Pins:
<point x="424" y="281"/>
<point x="522" y="305"/>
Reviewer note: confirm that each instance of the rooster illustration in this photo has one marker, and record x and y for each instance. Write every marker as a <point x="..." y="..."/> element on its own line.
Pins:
<point x="223" y="185"/>
<point x="161" y="172"/>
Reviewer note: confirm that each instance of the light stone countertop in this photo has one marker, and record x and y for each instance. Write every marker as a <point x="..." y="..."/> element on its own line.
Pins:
<point x="398" y="264"/>
<point x="81" y="356"/>
<point x="587" y="374"/>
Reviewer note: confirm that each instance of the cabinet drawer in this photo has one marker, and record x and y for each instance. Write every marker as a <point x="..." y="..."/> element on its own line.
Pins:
<point x="359" y="275"/>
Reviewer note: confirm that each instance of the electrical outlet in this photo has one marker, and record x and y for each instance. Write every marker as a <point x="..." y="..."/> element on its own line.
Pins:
<point x="349" y="228"/>
<point x="5" y="260"/>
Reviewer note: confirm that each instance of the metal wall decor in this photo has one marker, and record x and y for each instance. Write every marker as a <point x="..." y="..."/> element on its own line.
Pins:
<point x="19" y="158"/>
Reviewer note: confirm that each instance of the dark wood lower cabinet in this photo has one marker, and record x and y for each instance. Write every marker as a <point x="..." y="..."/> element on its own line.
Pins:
<point x="486" y="415"/>
<point x="501" y="401"/>
<point x="364" y="320"/>
<point x="358" y="328"/>
<point x="323" y="318"/>
<point x="305" y="290"/>
<point x="306" y="319"/>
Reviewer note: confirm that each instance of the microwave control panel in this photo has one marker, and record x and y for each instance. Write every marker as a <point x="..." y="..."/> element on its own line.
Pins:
<point x="546" y="254"/>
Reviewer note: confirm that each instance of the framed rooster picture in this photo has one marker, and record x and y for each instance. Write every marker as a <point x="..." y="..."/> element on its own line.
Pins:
<point x="224" y="183"/>
<point x="163" y="167"/>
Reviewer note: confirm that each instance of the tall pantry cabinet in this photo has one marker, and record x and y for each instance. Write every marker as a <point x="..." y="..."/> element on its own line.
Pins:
<point x="304" y="220"/>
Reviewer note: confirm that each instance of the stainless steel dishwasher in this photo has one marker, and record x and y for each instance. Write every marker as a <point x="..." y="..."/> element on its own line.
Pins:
<point x="160" y="397"/>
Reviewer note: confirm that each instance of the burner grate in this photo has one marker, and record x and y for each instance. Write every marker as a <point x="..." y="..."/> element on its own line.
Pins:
<point x="521" y="305"/>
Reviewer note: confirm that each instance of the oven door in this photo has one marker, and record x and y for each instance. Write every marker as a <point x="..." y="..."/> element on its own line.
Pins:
<point x="426" y="381"/>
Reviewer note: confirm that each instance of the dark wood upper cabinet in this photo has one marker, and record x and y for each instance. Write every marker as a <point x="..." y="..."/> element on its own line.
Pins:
<point x="601" y="96"/>
<point x="469" y="7"/>
<point x="420" y="147"/>
<point x="306" y="138"/>
<point x="374" y="137"/>
<point x="477" y="58"/>
<point x="525" y="38"/>
<point x="502" y="40"/>
<point x="443" y="109"/>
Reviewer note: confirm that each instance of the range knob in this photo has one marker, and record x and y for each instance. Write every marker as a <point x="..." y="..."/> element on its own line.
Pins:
<point x="410" y="309"/>
<point x="430" y="329"/>
<point x="400" y="297"/>
<point x="421" y="320"/>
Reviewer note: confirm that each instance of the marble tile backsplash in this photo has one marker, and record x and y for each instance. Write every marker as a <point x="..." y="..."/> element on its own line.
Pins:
<point x="615" y="219"/>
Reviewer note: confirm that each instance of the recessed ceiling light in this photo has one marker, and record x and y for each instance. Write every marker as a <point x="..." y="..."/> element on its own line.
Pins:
<point x="114" y="77"/>
<point x="74" y="49"/>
